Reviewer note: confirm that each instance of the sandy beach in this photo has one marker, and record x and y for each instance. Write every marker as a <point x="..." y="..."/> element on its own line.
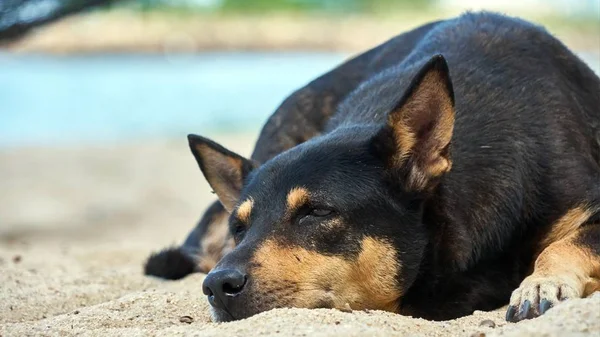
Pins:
<point x="122" y="31"/>
<point x="76" y="224"/>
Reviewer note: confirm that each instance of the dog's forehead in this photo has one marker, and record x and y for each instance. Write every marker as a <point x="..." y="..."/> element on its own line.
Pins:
<point x="320" y="167"/>
<point x="274" y="180"/>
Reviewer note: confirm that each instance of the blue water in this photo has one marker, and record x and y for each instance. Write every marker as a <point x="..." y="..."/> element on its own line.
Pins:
<point x="67" y="99"/>
<point x="50" y="100"/>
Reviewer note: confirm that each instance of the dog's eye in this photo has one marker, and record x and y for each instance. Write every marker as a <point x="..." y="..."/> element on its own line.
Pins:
<point x="314" y="214"/>
<point x="239" y="230"/>
<point x="319" y="212"/>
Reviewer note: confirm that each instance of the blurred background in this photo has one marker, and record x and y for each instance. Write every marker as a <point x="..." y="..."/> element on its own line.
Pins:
<point x="135" y="69"/>
<point x="96" y="96"/>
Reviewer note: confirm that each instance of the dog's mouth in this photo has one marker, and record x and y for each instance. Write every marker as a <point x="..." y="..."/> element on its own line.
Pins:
<point x="255" y="301"/>
<point x="239" y="301"/>
<point x="251" y="303"/>
<point x="219" y="311"/>
<point x="221" y="315"/>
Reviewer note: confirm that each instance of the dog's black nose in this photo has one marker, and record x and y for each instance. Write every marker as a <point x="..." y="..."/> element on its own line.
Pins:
<point x="222" y="285"/>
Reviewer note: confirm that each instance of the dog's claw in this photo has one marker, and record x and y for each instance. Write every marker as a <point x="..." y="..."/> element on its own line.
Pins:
<point x="510" y="313"/>
<point x="525" y="308"/>
<point x="536" y="295"/>
<point x="544" y="306"/>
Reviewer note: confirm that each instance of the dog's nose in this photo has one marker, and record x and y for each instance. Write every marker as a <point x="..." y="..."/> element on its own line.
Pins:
<point x="222" y="285"/>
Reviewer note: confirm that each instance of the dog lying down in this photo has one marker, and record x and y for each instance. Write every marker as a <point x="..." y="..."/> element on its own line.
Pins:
<point x="453" y="168"/>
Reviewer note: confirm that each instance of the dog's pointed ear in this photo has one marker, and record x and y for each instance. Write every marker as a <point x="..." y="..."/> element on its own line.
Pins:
<point x="224" y="170"/>
<point x="419" y="129"/>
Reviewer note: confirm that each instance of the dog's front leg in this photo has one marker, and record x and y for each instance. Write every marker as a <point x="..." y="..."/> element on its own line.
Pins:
<point x="567" y="268"/>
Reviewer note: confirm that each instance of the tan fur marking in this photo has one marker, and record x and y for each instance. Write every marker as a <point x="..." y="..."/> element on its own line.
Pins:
<point x="244" y="210"/>
<point x="369" y="282"/>
<point x="215" y="243"/>
<point x="430" y="97"/>
<point x="566" y="225"/>
<point x="577" y="265"/>
<point x="296" y="198"/>
<point x="223" y="173"/>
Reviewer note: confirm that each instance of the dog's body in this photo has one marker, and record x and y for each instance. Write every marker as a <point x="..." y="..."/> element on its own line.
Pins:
<point x="436" y="186"/>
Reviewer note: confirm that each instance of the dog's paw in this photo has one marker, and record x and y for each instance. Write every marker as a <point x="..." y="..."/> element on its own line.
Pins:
<point x="171" y="263"/>
<point x="537" y="294"/>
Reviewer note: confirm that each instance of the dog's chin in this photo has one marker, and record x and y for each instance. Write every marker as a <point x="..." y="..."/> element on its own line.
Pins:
<point x="219" y="315"/>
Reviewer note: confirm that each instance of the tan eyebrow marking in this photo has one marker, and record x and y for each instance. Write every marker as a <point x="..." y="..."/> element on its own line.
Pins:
<point x="244" y="210"/>
<point x="296" y="198"/>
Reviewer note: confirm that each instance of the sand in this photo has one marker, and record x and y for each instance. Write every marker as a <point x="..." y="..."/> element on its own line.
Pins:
<point x="117" y="31"/>
<point x="77" y="223"/>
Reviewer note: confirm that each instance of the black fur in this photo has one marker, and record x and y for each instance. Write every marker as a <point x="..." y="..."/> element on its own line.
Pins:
<point x="170" y="263"/>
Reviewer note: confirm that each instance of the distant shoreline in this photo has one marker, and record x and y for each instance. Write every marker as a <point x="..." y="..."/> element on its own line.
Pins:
<point x="121" y="31"/>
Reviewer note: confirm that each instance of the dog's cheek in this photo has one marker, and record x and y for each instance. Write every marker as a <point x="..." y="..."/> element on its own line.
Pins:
<point x="295" y="276"/>
<point x="298" y="277"/>
<point x="371" y="280"/>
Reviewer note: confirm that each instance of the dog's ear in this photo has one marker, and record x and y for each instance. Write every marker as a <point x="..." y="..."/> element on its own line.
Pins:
<point x="419" y="129"/>
<point x="224" y="170"/>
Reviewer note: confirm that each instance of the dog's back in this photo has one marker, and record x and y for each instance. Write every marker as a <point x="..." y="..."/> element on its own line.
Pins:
<point x="527" y="112"/>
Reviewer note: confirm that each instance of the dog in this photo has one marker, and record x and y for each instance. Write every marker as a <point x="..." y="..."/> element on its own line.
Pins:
<point x="463" y="175"/>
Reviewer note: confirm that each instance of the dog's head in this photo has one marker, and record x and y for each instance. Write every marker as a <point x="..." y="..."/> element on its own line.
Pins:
<point x="335" y="222"/>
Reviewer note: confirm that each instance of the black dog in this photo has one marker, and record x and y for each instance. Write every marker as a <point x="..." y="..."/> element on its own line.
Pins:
<point x="434" y="189"/>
